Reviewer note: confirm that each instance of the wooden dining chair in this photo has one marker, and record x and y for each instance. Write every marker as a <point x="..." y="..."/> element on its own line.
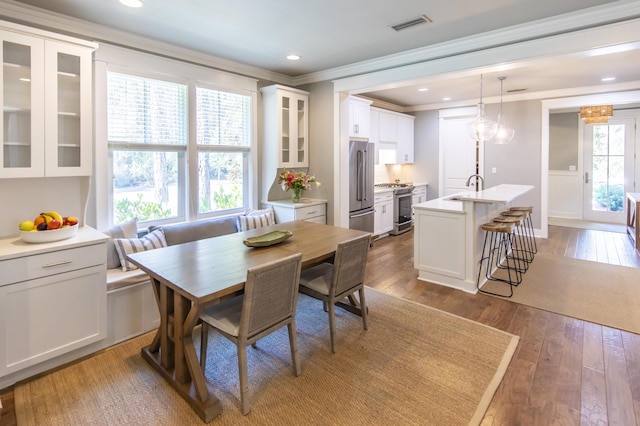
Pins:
<point x="333" y="282"/>
<point x="268" y="303"/>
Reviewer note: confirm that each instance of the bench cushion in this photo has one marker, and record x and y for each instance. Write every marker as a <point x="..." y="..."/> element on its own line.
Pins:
<point x="191" y="231"/>
<point x="117" y="278"/>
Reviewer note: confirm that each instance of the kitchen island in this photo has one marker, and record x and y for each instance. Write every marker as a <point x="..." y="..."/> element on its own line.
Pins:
<point x="448" y="237"/>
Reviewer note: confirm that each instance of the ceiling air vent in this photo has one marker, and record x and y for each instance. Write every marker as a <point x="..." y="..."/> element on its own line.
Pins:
<point x="516" y="90"/>
<point x="422" y="19"/>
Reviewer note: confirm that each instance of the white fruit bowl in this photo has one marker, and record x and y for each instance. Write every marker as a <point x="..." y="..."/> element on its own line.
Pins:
<point x="49" y="236"/>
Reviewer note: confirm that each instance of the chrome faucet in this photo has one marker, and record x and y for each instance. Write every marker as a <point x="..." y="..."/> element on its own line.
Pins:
<point x="477" y="177"/>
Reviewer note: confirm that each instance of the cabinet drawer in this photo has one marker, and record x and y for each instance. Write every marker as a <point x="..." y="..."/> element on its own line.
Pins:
<point x="383" y="198"/>
<point x="311" y="211"/>
<point x="55" y="262"/>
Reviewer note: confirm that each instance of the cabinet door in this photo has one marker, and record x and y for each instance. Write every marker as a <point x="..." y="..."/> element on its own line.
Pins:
<point x="359" y="118"/>
<point x="387" y="217"/>
<point x="374" y="131"/>
<point x="68" y="110"/>
<point x="388" y="127"/>
<point x="22" y="77"/>
<point x="293" y="141"/>
<point x="405" y="139"/>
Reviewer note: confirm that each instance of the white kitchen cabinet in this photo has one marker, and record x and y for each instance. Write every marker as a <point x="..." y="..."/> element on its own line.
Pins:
<point x="310" y="209"/>
<point x="53" y="298"/>
<point x="405" y="139"/>
<point x="388" y="126"/>
<point x="374" y="131"/>
<point x="47" y="104"/>
<point x="383" y="216"/>
<point x="286" y="127"/>
<point x="359" y="117"/>
<point x="419" y="194"/>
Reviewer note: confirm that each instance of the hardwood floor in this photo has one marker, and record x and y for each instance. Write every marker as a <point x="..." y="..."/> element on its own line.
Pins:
<point x="565" y="371"/>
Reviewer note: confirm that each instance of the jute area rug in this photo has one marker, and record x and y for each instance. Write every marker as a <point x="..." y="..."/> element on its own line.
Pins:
<point x="414" y="365"/>
<point x="591" y="291"/>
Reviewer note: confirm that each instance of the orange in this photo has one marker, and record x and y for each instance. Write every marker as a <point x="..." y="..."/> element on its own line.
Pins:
<point x="38" y="220"/>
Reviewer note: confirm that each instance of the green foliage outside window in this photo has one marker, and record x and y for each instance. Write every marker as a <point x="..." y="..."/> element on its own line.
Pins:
<point x="126" y="209"/>
<point x="613" y="200"/>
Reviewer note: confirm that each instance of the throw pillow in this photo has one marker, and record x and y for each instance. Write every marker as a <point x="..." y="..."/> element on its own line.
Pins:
<point x="269" y="211"/>
<point x="128" y="229"/>
<point x="254" y="221"/>
<point x="124" y="246"/>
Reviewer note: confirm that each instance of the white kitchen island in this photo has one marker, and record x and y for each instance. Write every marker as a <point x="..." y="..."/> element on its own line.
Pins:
<point x="448" y="237"/>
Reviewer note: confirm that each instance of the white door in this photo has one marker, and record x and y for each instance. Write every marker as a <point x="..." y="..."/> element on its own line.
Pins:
<point x="609" y="169"/>
<point x="458" y="155"/>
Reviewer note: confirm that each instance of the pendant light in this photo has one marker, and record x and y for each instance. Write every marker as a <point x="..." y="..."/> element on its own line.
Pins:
<point x="481" y="129"/>
<point x="504" y="134"/>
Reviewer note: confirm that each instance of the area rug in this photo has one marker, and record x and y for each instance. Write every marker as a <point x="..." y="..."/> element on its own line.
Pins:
<point x="414" y="365"/>
<point x="591" y="291"/>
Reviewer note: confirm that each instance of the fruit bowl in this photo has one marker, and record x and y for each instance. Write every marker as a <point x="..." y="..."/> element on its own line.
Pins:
<point x="50" y="235"/>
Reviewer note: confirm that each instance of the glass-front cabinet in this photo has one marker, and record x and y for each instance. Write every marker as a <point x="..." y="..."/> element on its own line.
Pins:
<point x="293" y="140"/>
<point x="46" y="100"/>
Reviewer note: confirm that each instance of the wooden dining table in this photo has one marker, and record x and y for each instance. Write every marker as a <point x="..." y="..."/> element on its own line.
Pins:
<point x="186" y="278"/>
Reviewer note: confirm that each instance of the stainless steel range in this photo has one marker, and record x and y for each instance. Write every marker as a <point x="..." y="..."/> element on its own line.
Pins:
<point x="402" y="198"/>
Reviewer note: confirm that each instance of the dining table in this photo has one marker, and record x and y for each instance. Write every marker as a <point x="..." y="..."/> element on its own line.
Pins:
<point x="188" y="277"/>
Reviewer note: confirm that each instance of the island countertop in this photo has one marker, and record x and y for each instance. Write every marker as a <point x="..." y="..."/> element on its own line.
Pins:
<point x="504" y="193"/>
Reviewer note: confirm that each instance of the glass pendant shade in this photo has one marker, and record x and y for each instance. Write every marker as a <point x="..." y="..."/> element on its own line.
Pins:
<point x="503" y="134"/>
<point x="481" y="129"/>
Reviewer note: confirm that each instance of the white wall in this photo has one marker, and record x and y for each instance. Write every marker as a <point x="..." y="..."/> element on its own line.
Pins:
<point x="426" y="147"/>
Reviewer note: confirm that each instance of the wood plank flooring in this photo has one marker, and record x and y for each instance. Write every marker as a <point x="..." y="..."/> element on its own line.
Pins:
<point x="565" y="371"/>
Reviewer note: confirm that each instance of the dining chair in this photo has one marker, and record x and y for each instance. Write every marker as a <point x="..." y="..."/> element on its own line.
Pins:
<point x="268" y="303"/>
<point x="333" y="282"/>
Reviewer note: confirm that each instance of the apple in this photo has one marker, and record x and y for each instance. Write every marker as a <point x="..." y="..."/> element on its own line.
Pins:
<point x="72" y="220"/>
<point x="53" y="224"/>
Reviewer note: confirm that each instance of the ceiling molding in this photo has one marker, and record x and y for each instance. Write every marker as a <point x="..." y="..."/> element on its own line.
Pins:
<point x="561" y="24"/>
<point x="50" y="21"/>
<point x="542" y="95"/>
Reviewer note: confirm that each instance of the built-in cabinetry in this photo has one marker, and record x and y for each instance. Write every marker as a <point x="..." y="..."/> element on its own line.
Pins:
<point x="47" y="104"/>
<point x="383" y="215"/>
<point x="286" y="125"/>
<point x="419" y="194"/>
<point x="359" y="117"/>
<point x="395" y="136"/>
<point x="310" y="209"/>
<point x="53" y="299"/>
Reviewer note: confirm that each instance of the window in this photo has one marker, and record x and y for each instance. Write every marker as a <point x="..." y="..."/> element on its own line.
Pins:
<point x="152" y="147"/>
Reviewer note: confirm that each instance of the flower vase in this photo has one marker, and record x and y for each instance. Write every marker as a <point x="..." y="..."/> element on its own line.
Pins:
<point x="297" y="195"/>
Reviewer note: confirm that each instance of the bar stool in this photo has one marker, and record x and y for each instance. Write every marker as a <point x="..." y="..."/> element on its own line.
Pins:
<point x="497" y="240"/>
<point x="527" y="246"/>
<point x="529" y="223"/>
<point x="519" y="251"/>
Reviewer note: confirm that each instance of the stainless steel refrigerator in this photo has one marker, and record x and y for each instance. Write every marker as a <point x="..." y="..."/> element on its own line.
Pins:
<point x="361" y="158"/>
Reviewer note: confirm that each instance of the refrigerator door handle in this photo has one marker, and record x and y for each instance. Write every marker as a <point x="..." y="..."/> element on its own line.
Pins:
<point x="362" y="214"/>
<point x="364" y="173"/>
<point x="359" y="185"/>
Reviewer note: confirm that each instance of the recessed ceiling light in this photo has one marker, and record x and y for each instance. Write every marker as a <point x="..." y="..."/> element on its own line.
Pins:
<point x="446" y="99"/>
<point x="423" y="89"/>
<point x="293" y="57"/>
<point x="132" y="3"/>
<point x="608" y="79"/>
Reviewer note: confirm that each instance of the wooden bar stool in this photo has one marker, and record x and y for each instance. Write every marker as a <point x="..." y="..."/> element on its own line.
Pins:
<point x="518" y="243"/>
<point x="529" y="223"/>
<point x="497" y="240"/>
<point x="527" y="247"/>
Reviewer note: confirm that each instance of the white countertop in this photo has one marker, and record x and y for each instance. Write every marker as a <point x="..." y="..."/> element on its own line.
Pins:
<point x="15" y="247"/>
<point x="304" y="202"/>
<point x="454" y="203"/>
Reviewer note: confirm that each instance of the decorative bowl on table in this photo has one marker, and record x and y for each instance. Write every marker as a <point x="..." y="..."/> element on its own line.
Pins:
<point x="268" y="239"/>
<point x="50" y="235"/>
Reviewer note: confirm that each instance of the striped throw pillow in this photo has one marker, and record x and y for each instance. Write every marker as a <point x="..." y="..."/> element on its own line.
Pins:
<point x="124" y="246"/>
<point x="254" y="221"/>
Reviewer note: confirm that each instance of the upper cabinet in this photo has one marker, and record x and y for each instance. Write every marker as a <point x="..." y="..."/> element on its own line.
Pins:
<point x="395" y="136"/>
<point x="47" y="107"/>
<point x="359" y="117"/>
<point x="286" y="125"/>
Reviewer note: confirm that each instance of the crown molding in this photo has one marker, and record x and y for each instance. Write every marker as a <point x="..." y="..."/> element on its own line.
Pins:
<point x="561" y="24"/>
<point x="19" y="13"/>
